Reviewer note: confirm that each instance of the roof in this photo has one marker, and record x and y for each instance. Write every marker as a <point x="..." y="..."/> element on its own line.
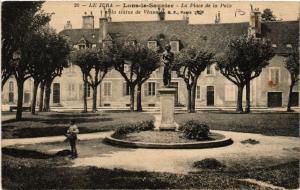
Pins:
<point x="205" y="35"/>
<point x="282" y="33"/>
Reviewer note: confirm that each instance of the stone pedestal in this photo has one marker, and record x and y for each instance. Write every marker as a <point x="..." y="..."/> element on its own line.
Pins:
<point x="167" y="101"/>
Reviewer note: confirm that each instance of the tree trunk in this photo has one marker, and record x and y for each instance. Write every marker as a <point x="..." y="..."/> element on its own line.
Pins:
<point x="34" y="93"/>
<point x="139" y="107"/>
<point x="193" y="96"/>
<point x="95" y="99"/>
<point x="247" y="109"/>
<point x="132" y="90"/>
<point x="47" y="97"/>
<point x="20" y="84"/>
<point x="42" y="90"/>
<point x="4" y="80"/>
<point x="189" y="106"/>
<point x="239" y="105"/>
<point x="290" y="97"/>
<point x="85" y="86"/>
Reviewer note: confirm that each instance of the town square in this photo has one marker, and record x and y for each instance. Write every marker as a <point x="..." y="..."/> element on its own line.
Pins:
<point x="150" y="95"/>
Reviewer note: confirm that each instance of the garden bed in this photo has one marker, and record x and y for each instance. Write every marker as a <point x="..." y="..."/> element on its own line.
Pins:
<point x="165" y="137"/>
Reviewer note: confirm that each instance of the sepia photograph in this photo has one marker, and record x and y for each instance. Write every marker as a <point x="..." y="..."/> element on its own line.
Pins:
<point x="150" y="94"/>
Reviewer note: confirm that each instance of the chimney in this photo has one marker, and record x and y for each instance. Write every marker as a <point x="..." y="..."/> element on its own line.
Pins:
<point x="68" y="25"/>
<point x="88" y="21"/>
<point x="161" y="14"/>
<point x="103" y="26"/>
<point x="255" y="23"/>
<point x="218" y="18"/>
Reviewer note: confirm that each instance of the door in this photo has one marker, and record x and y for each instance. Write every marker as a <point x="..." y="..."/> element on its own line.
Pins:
<point x="274" y="99"/>
<point x="295" y="99"/>
<point x="175" y="85"/>
<point x="210" y="96"/>
<point x="56" y="93"/>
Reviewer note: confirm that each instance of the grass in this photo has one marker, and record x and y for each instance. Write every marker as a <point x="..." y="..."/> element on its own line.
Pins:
<point x="52" y="124"/>
<point x="54" y="172"/>
<point x="165" y="137"/>
<point x="273" y="124"/>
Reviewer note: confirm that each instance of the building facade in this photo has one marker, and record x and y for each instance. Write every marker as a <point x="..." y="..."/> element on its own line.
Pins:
<point x="270" y="89"/>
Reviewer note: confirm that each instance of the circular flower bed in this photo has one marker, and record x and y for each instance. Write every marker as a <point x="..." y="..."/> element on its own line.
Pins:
<point x="166" y="137"/>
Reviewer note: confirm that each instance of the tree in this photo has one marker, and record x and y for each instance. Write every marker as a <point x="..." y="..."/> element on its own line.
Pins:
<point x="268" y="15"/>
<point x="135" y="63"/>
<point x="291" y="63"/>
<point x="94" y="64"/>
<point x="19" y="21"/>
<point x="244" y="59"/>
<point x="57" y="54"/>
<point x="38" y="51"/>
<point x="189" y="63"/>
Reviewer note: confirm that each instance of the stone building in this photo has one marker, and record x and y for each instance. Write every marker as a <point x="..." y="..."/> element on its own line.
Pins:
<point x="270" y="89"/>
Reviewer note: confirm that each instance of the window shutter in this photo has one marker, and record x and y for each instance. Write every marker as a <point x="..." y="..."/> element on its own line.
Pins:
<point x="157" y="88"/>
<point x="146" y="89"/>
<point x="124" y="88"/>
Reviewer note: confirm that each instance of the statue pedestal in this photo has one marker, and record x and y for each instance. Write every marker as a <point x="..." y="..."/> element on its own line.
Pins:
<point x="167" y="101"/>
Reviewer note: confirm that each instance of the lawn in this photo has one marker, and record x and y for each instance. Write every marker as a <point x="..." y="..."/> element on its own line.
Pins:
<point x="29" y="169"/>
<point x="272" y="123"/>
<point x="55" y="123"/>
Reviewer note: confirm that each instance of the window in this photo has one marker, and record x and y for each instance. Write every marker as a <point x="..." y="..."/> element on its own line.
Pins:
<point x="11" y="86"/>
<point x="126" y="89"/>
<point x="174" y="46"/>
<point x="274" y="75"/>
<point x="107" y="43"/>
<point x="26" y="97"/>
<point x="94" y="45"/>
<point x="230" y="94"/>
<point x="11" y="92"/>
<point x="274" y="45"/>
<point x="289" y="45"/>
<point x="10" y="97"/>
<point x="150" y="89"/>
<point x="71" y="89"/>
<point x="152" y="44"/>
<point x="56" y="93"/>
<point x="81" y="46"/>
<point x="210" y="70"/>
<point x="198" y="95"/>
<point x="107" y="92"/>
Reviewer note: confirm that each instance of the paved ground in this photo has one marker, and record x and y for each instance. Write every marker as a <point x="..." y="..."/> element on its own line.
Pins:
<point x="271" y="150"/>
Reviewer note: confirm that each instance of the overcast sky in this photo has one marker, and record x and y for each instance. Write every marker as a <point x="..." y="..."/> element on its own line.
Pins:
<point x="231" y="12"/>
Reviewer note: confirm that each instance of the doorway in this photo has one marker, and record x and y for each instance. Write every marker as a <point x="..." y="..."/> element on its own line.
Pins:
<point x="210" y="96"/>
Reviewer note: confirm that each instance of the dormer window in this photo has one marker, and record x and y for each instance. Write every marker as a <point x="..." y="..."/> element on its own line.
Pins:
<point x="174" y="46"/>
<point x="81" y="46"/>
<point x="152" y="45"/>
<point x="274" y="46"/>
<point x="289" y="45"/>
<point x="210" y="70"/>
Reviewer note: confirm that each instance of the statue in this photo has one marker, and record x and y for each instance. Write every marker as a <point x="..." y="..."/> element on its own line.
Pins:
<point x="167" y="59"/>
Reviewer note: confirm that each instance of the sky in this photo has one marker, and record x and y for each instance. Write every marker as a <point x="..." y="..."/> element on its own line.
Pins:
<point x="201" y="12"/>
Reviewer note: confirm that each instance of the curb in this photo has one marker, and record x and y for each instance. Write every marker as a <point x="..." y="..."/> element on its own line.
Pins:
<point x="198" y="145"/>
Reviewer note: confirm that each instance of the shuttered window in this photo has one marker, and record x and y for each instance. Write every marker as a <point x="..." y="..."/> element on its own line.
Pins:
<point x="150" y="89"/>
<point x="126" y="89"/>
<point x="107" y="89"/>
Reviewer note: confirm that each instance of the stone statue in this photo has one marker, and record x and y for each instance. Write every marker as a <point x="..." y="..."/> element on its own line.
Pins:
<point x="167" y="59"/>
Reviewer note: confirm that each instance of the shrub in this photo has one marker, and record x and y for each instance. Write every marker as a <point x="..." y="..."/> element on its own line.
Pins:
<point x="134" y="127"/>
<point x="209" y="163"/>
<point x="195" y="130"/>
